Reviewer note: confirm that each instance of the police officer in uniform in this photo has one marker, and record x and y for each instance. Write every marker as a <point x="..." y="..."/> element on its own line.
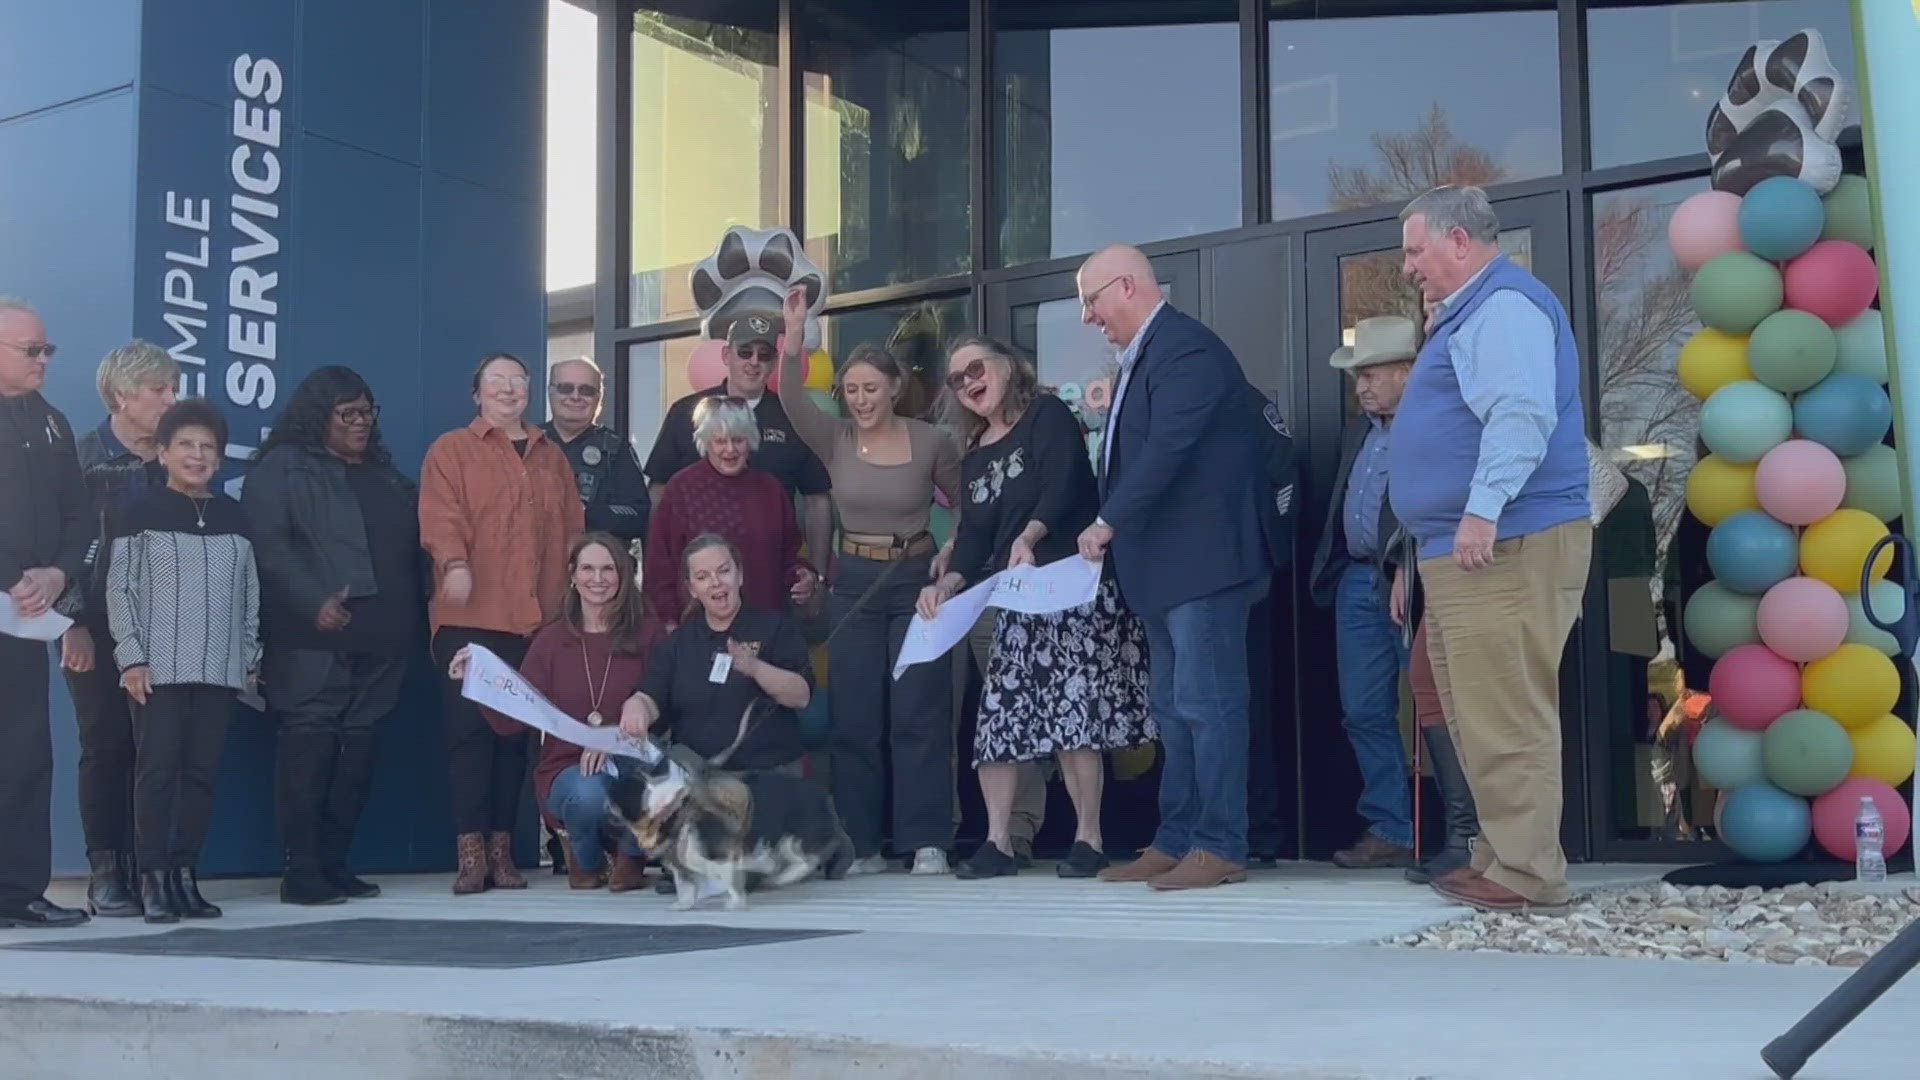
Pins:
<point x="604" y="464"/>
<point x="751" y="354"/>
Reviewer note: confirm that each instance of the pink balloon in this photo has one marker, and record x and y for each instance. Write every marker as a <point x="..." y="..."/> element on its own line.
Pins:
<point x="1803" y="619"/>
<point x="707" y="366"/>
<point x="1834" y="280"/>
<point x="1833" y="815"/>
<point x="1800" y="482"/>
<point x="1752" y="686"/>
<point x="1706" y="225"/>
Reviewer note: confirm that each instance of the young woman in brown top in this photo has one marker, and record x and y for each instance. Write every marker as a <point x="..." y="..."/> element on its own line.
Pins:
<point x="884" y="469"/>
<point x="498" y="507"/>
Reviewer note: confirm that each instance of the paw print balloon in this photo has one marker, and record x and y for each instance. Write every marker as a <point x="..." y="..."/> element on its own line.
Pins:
<point x="1782" y="114"/>
<point x="752" y="271"/>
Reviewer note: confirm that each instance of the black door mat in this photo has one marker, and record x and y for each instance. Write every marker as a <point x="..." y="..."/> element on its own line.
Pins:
<point x="451" y="943"/>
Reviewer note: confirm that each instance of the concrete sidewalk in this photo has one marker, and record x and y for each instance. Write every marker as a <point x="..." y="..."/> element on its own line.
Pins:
<point x="1027" y="977"/>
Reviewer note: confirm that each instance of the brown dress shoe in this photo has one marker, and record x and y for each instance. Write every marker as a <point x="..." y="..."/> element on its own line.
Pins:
<point x="576" y="877"/>
<point x="1373" y="853"/>
<point x="1476" y="891"/>
<point x="1200" y="870"/>
<point x="1151" y="864"/>
<point x="471" y="876"/>
<point x="500" y="862"/>
<point x="629" y="873"/>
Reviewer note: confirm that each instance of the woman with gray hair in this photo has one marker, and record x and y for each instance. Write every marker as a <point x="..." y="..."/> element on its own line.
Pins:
<point x="725" y="495"/>
<point x="137" y="384"/>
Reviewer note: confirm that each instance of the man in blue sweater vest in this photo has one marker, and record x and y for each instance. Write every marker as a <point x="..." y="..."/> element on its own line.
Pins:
<point x="1489" y="462"/>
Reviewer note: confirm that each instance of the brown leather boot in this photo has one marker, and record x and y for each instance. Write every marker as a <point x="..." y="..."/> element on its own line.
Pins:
<point x="576" y="877"/>
<point x="1151" y="864"/>
<point x="1200" y="870"/>
<point x="472" y="875"/>
<point x="629" y="873"/>
<point x="500" y="862"/>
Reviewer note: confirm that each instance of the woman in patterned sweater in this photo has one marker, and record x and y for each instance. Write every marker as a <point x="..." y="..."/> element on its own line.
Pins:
<point x="183" y="602"/>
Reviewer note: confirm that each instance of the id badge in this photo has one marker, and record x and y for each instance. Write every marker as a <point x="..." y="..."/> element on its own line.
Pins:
<point x="722" y="667"/>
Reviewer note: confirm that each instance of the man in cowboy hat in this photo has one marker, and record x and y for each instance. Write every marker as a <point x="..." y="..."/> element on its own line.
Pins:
<point x="1348" y="575"/>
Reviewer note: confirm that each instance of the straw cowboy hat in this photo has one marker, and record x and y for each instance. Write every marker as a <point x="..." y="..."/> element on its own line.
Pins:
<point x="1383" y="339"/>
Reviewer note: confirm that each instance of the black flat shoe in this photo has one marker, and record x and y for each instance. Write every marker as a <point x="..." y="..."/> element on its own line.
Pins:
<point x="357" y="888"/>
<point x="1084" y="861"/>
<point x="40" y="914"/>
<point x="987" y="862"/>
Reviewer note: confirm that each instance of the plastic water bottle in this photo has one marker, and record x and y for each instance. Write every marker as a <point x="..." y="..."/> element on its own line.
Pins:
<point x="1869" y="834"/>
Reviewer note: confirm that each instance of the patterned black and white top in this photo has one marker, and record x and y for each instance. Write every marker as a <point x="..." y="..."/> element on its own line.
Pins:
<point x="183" y="596"/>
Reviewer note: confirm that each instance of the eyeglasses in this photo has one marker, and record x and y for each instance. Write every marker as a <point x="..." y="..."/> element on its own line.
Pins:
<point x="958" y="379"/>
<point x="763" y="354"/>
<point x="1088" y="300"/>
<point x="512" y="382"/>
<point x="357" y="414"/>
<point x="35" y="350"/>
<point x="570" y="389"/>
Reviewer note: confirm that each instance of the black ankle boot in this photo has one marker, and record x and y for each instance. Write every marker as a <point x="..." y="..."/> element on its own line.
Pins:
<point x="156" y="897"/>
<point x="185" y="886"/>
<point x="1463" y="822"/>
<point x="109" y="892"/>
<point x="310" y="887"/>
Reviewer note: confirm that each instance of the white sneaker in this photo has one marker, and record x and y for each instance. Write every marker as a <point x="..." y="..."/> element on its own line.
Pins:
<point x="930" y="861"/>
<point x="872" y="864"/>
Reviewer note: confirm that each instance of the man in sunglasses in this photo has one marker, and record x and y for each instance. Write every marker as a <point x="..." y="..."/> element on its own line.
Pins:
<point x="604" y="465"/>
<point x="45" y="528"/>
<point x="751" y="353"/>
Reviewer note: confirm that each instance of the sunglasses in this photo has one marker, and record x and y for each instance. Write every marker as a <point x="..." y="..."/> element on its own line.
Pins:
<point x="764" y="354"/>
<point x="973" y="371"/>
<point x="36" y="350"/>
<point x="359" y="414"/>
<point x="570" y="389"/>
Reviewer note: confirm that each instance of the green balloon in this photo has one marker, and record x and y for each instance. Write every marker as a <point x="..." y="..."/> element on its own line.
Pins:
<point x="1889" y="603"/>
<point x="1743" y="420"/>
<point x="1862" y="346"/>
<point x="1734" y="291"/>
<point x="1717" y="619"/>
<point x="1806" y="752"/>
<point x="1792" y="350"/>
<point x="1850" y="212"/>
<point x="1873" y="483"/>
<point x="826" y="401"/>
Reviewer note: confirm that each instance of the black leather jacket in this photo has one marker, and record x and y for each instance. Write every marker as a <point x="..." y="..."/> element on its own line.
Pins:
<point x="44" y="517"/>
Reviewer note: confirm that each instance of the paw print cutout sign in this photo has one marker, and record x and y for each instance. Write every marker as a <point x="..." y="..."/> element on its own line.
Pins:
<point x="752" y="271"/>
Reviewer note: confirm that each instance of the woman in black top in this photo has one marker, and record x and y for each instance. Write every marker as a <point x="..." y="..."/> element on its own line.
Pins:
<point x="338" y="531"/>
<point x="715" y="666"/>
<point x="1072" y="684"/>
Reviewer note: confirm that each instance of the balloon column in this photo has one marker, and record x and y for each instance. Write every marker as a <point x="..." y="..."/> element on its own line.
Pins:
<point x="1798" y="482"/>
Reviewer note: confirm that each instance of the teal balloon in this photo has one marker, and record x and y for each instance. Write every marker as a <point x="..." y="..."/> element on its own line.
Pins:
<point x="1727" y="757"/>
<point x="1717" y="619"/>
<point x="1862" y="347"/>
<point x="1847" y="414"/>
<point x="1743" y="420"/>
<point x="1792" y="350"/>
<point x="826" y="401"/>
<point x="1764" y="824"/>
<point x="940" y="523"/>
<point x="1806" y="752"/>
<point x="1780" y="218"/>
<point x="1734" y="291"/>
<point x="1889" y="604"/>
<point x="1751" y="552"/>
<point x="1849" y="212"/>
<point x="1873" y="482"/>
<point x="816" y="723"/>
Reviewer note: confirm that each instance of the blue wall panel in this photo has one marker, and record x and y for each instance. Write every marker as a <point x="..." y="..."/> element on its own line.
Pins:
<point x="56" y="51"/>
<point x="483" y="292"/>
<point x="188" y="46"/>
<point x="372" y="102"/>
<point x="486" y="65"/>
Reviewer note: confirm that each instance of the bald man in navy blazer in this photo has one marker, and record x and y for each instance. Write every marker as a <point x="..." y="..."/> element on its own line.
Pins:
<point x="1186" y="519"/>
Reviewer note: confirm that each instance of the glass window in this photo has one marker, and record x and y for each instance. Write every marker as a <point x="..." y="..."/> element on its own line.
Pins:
<point x="573" y="55"/>
<point x="1647" y="424"/>
<point x="1113" y="130"/>
<point x="705" y="108"/>
<point x="915" y="332"/>
<point x="1655" y="71"/>
<point x="1072" y="357"/>
<point x="886" y="178"/>
<point x="1367" y="111"/>
<point x="656" y="378"/>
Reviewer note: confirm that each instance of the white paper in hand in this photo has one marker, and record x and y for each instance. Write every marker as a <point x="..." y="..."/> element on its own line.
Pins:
<point x="494" y="684"/>
<point x="1031" y="590"/>
<point x="46" y="626"/>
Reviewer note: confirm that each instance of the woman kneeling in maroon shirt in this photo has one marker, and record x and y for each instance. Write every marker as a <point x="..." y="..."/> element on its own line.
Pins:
<point x="587" y="663"/>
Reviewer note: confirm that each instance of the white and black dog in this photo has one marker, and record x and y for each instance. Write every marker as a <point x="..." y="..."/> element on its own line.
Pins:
<point x="729" y="831"/>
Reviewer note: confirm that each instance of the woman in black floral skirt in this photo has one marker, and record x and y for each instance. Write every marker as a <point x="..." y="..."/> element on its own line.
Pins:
<point x="1070" y="685"/>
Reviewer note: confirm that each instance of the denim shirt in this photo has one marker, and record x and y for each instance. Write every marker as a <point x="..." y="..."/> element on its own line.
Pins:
<point x="1366" y="494"/>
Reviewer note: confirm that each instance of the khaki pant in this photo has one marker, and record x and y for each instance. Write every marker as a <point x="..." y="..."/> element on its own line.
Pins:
<point x="1495" y="637"/>
<point x="1030" y="791"/>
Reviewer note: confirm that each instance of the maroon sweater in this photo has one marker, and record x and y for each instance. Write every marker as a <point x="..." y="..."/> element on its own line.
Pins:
<point x="556" y="668"/>
<point x="751" y="509"/>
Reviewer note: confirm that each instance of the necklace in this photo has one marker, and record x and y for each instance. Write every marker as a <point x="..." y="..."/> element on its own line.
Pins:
<point x="200" y="510"/>
<point x="606" y="672"/>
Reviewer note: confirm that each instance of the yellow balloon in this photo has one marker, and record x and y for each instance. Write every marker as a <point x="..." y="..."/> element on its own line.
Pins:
<point x="1133" y="762"/>
<point x="1883" y="750"/>
<point x="820" y="663"/>
<point x="1854" y="684"/>
<point x="1717" y="489"/>
<point x="1834" y="549"/>
<point x="1710" y="360"/>
<point x="819" y="370"/>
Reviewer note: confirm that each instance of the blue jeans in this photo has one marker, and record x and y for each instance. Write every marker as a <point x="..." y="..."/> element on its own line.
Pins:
<point x="580" y="802"/>
<point x="1197" y="667"/>
<point x="1367" y="646"/>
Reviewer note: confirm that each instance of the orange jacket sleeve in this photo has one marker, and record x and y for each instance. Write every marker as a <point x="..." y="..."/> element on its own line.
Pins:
<point x="444" y="529"/>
